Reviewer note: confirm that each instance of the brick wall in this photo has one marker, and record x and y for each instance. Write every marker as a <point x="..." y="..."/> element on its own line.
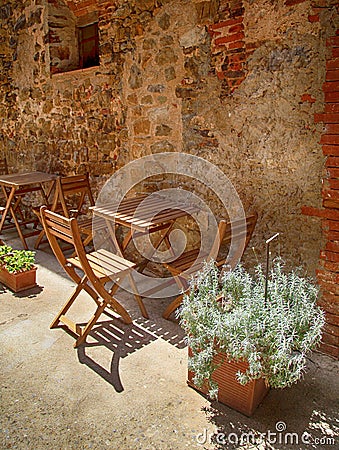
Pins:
<point x="228" y="45"/>
<point x="328" y="274"/>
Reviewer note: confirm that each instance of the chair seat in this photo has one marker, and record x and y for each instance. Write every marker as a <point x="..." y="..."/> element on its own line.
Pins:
<point x="189" y="262"/>
<point x="104" y="264"/>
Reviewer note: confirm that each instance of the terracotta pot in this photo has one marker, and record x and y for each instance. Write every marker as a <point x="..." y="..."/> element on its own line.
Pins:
<point x="20" y="281"/>
<point x="244" y="399"/>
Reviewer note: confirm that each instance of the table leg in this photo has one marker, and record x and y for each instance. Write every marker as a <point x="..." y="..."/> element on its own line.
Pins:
<point x="9" y="199"/>
<point x="10" y="208"/>
<point x="163" y="237"/>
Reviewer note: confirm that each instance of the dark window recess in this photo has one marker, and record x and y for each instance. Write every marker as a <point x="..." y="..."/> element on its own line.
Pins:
<point x="89" y="46"/>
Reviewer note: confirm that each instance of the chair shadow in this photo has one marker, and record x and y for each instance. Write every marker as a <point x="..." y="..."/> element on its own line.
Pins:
<point x="121" y="340"/>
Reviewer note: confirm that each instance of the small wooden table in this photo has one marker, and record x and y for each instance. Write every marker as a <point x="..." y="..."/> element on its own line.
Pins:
<point x="143" y="214"/>
<point x="15" y="186"/>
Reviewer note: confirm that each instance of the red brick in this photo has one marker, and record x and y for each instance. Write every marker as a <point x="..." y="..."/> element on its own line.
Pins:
<point x="333" y="236"/>
<point x="314" y="18"/>
<point x="331" y="86"/>
<point x="331" y="107"/>
<point x="329" y="203"/>
<point x="330" y="350"/>
<point x="326" y="275"/>
<point x="332" y="75"/>
<point x="236" y="57"/>
<point x="335" y="52"/>
<point x="326" y="118"/>
<point x="320" y="212"/>
<point x="332" y="247"/>
<point x="71" y="5"/>
<point x="231" y="38"/>
<point x="332" y="161"/>
<point x="237" y="66"/>
<point x="226" y="23"/>
<point x="330" y="194"/>
<point x="331" y="329"/>
<point x="239" y="44"/>
<point x="293" y="2"/>
<point x="332" y="97"/>
<point x="334" y="184"/>
<point x="330" y="139"/>
<point x="332" y="267"/>
<point x="329" y="256"/>
<point x="332" y="225"/>
<point x="331" y="150"/>
<point x="332" y="319"/>
<point x="330" y="339"/>
<point x="333" y="41"/>
<point x="331" y="299"/>
<point x="307" y="98"/>
<point x="332" y="64"/>
<point x="333" y="172"/>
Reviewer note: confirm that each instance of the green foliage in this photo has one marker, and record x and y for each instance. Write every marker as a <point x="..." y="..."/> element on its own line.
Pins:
<point x="230" y="315"/>
<point x="16" y="260"/>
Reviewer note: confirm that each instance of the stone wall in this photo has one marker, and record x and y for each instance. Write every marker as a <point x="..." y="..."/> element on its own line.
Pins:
<point x="236" y="82"/>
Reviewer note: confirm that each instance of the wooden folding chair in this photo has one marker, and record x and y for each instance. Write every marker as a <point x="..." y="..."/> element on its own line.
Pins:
<point x="98" y="267"/>
<point x="190" y="262"/>
<point x="73" y="198"/>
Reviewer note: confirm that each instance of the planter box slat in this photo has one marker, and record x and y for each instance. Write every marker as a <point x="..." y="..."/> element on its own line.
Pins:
<point x="244" y="399"/>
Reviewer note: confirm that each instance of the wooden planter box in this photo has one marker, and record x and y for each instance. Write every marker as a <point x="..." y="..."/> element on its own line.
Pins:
<point x="20" y="281"/>
<point x="244" y="399"/>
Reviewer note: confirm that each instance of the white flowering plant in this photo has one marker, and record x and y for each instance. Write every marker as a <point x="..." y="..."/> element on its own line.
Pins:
<point x="272" y="324"/>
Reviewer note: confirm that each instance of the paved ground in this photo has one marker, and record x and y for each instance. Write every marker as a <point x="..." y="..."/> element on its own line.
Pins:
<point x="126" y="388"/>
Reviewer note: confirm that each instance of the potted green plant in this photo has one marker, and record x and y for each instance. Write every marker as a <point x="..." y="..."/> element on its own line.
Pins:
<point x="247" y="333"/>
<point x="17" y="269"/>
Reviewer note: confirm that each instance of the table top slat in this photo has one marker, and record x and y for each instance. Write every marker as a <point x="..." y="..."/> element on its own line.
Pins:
<point x="25" y="179"/>
<point x="142" y="215"/>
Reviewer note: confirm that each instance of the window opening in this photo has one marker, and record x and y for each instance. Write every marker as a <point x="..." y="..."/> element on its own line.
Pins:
<point x="89" y="45"/>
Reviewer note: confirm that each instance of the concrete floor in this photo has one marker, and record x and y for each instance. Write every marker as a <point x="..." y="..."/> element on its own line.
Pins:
<point x="126" y="387"/>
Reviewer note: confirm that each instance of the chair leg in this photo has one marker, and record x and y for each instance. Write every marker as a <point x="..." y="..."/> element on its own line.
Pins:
<point x="172" y="306"/>
<point x="66" y="306"/>
<point x="111" y="301"/>
<point x="39" y="239"/>
<point x="138" y="297"/>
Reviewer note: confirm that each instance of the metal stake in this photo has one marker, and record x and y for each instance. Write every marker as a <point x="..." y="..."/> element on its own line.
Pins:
<point x="267" y="262"/>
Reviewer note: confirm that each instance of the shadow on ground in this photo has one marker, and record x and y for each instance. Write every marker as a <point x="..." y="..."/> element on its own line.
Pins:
<point x="300" y="417"/>
<point x="120" y="340"/>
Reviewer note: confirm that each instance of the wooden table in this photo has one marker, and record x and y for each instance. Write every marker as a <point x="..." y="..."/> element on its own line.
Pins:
<point x="15" y="186"/>
<point x="141" y="215"/>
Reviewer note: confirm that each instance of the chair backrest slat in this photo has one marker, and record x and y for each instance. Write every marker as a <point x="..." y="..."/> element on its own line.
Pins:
<point x="67" y="229"/>
<point x="57" y="227"/>
<point x="239" y="231"/>
<point x="75" y="188"/>
<point x="218" y="240"/>
<point x="240" y="228"/>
